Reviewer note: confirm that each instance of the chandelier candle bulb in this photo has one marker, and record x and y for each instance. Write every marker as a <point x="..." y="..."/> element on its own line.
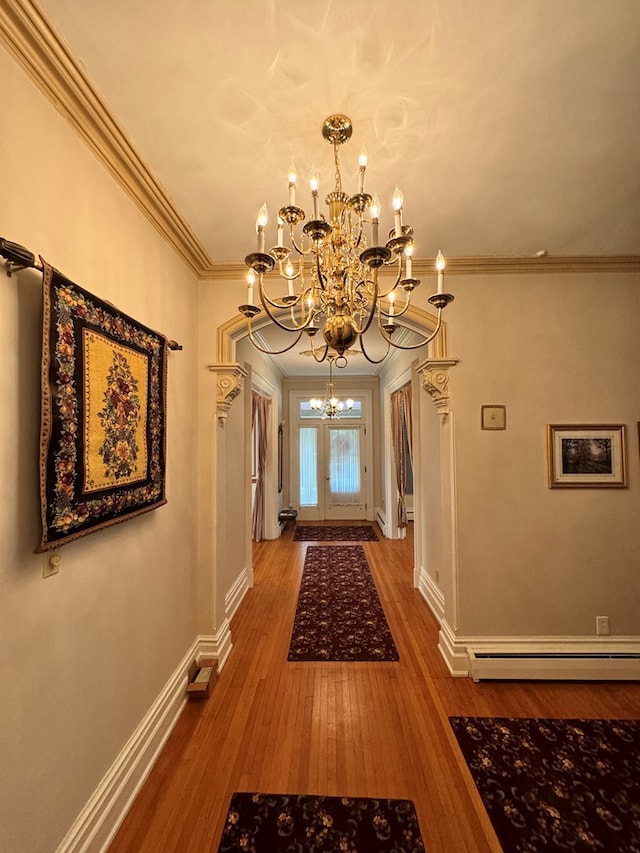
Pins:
<point x="313" y="183"/>
<point x="261" y="221"/>
<point x="398" y="200"/>
<point x="280" y="231"/>
<point x="391" y="298"/>
<point x="362" y="163"/>
<point x="292" y="185"/>
<point x="288" y="271"/>
<point x="375" y="213"/>
<point x="440" y="268"/>
<point x="409" y="268"/>
<point x="251" y="278"/>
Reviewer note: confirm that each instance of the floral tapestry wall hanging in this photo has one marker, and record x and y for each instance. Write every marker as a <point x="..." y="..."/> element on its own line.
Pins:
<point x="102" y="435"/>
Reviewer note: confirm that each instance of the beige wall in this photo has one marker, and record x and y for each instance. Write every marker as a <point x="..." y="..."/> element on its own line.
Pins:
<point x="84" y="654"/>
<point x="535" y="561"/>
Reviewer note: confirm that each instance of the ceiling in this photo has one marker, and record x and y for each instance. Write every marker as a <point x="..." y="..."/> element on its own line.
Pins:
<point x="512" y="128"/>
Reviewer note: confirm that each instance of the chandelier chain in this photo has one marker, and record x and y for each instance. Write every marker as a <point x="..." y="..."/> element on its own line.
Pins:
<point x="336" y="160"/>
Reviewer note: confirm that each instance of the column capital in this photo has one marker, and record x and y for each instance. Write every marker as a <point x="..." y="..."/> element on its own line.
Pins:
<point x="434" y="377"/>
<point x="230" y="381"/>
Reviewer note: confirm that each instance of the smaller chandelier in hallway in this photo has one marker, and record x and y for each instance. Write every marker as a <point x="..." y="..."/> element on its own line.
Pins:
<point x="330" y="406"/>
<point x="331" y="269"/>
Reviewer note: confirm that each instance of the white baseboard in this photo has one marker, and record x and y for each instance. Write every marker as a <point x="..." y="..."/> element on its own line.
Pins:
<point x="432" y="594"/>
<point x="217" y="646"/>
<point x="454" y="655"/>
<point x="96" y="825"/>
<point x="236" y="593"/>
<point x="382" y="521"/>
<point x="540" y="658"/>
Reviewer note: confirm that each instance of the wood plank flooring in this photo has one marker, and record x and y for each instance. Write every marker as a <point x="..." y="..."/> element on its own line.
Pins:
<point x="356" y="729"/>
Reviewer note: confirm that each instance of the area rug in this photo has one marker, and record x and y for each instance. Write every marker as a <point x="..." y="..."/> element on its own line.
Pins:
<point x="339" y="616"/>
<point x="557" y="785"/>
<point x="285" y="823"/>
<point x="335" y="533"/>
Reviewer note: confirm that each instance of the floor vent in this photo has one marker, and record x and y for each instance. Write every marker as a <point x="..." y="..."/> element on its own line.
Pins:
<point x="565" y="666"/>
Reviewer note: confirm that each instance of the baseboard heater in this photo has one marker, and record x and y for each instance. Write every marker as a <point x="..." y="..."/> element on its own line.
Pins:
<point x="561" y="666"/>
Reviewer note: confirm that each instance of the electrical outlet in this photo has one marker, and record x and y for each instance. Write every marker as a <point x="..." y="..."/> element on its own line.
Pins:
<point x="51" y="565"/>
<point x="602" y="625"/>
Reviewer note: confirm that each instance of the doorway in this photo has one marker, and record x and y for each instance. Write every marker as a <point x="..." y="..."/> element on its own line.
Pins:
<point x="331" y="463"/>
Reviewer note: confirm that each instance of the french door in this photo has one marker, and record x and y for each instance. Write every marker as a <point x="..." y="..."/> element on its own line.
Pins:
<point x="333" y="472"/>
<point x="344" y="477"/>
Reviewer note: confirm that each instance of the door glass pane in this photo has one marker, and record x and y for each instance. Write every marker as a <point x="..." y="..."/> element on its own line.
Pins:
<point x="344" y="464"/>
<point x="308" y="466"/>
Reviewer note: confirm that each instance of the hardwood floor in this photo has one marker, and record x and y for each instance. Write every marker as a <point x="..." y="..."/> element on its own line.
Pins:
<point x="357" y="729"/>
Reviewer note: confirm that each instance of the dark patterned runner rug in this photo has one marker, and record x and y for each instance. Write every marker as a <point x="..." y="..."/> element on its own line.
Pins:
<point x="279" y="823"/>
<point x="339" y="616"/>
<point x="335" y="533"/>
<point x="557" y="785"/>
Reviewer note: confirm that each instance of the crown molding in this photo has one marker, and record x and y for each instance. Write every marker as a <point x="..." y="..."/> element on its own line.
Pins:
<point x="519" y="265"/>
<point x="483" y="265"/>
<point x="34" y="43"/>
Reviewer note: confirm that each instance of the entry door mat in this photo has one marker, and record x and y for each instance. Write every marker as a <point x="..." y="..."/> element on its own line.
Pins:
<point x="339" y="616"/>
<point x="557" y="785"/>
<point x="285" y="823"/>
<point x="335" y="533"/>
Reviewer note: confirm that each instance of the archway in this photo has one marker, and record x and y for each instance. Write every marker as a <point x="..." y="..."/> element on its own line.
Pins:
<point x="430" y="375"/>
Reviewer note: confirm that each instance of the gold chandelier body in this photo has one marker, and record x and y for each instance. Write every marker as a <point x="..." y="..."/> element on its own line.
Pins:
<point x="332" y="270"/>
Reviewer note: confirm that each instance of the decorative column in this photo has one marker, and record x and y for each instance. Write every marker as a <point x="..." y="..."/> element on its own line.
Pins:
<point x="434" y="375"/>
<point x="439" y="578"/>
<point x="230" y="380"/>
<point x="219" y="385"/>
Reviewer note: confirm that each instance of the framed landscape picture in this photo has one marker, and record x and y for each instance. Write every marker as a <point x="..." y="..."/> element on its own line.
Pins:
<point x="586" y="456"/>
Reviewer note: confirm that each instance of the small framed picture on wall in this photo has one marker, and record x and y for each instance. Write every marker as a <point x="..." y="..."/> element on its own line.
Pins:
<point x="493" y="417"/>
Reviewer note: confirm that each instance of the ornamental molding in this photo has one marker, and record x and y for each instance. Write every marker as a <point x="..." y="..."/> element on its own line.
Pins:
<point x="434" y="377"/>
<point x="230" y="382"/>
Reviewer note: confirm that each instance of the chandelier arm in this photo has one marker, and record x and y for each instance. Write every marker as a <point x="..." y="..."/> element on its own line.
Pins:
<point x="265" y="304"/>
<point x="372" y="313"/>
<point x="301" y="251"/>
<point x="393" y="260"/>
<point x="284" y="275"/>
<point x="360" y="232"/>
<point x="323" y="356"/>
<point x="321" y="278"/>
<point x="274" y="303"/>
<point x="271" y="352"/>
<point x="374" y="360"/>
<point x="423" y="343"/>
<point x="404" y="309"/>
<point x="395" y="283"/>
<point x="398" y="312"/>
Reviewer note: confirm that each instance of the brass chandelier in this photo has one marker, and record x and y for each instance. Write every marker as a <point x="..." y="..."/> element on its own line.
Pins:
<point x="330" y="406"/>
<point x="331" y="270"/>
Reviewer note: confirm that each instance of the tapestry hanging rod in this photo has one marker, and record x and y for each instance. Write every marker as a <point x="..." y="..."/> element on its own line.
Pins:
<point x="19" y="258"/>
